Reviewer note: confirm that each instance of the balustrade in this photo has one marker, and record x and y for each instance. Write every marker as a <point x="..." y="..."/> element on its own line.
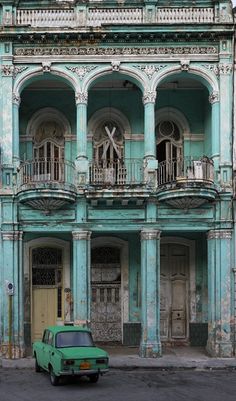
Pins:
<point x="187" y="169"/>
<point x="118" y="172"/>
<point x="46" y="170"/>
<point x="100" y="16"/>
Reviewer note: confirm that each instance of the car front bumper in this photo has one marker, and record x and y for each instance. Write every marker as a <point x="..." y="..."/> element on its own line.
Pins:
<point x="77" y="372"/>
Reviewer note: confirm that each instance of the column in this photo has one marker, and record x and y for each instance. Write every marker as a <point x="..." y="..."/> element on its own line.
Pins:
<point x="81" y="137"/>
<point x="150" y="294"/>
<point x="12" y="321"/>
<point x="215" y="128"/>
<point x="219" y="342"/>
<point x="226" y="102"/>
<point x="81" y="276"/>
<point x="16" y="139"/>
<point x="150" y="162"/>
<point x="234" y="308"/>
<point x="149" y="99"/>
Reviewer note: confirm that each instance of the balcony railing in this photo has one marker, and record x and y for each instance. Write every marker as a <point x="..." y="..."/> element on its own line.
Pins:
<point x="186" y="169"/>
<point x="62" y="17"/>
<point x="44" y="171"/>
<point x="117" y="172"/>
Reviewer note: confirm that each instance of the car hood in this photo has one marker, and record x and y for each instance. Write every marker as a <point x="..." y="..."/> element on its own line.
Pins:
<point x="83" y="352"/>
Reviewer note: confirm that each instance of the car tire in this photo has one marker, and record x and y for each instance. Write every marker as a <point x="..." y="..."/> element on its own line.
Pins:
<point x="53" y="378"/>
<point x="36" y="366"/>
<point x="94" y="378"/>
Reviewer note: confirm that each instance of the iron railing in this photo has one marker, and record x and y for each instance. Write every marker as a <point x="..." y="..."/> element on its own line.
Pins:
<point x="46" y="170"/>
<point x="184" y="169"/>
<point x="116" y="172"/>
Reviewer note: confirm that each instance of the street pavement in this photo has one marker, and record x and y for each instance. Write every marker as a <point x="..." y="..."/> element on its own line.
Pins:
<point x="121" y="357"/>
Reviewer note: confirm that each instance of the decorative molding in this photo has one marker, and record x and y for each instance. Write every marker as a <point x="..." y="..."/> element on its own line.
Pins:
<point x="12" y="70"/>
<point x="193" y="137"/>
<point x="82" y="70"/>
<point x="114" y="51"/>
<point x="150" y="235"/>
<point x="225" y="69"/>
<point x="46" y="66"/>
<point x="16" y="99"/>
<point x="81" y="235"/>
<point x="150" y="70"/>
<point x="212" y="67"/>
<point x="12" y="235"/>
<point x="149" y="97"/>
<point x="81" y="98"/>
<point x="214" y="97"/>
<point x="184" y="65"/>
<point x="115" y="65"/>
<point x="219" y="234"/>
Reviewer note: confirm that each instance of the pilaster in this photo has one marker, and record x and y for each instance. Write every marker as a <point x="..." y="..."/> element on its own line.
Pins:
<point x="219" y="342"/>
<point x="81" y="276"/>
<point x="81" y="137"/>
<point x="150" y="292"/>
<point x="12" y="345"/>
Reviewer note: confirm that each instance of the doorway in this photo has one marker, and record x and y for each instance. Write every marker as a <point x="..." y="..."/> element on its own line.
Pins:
<point x="174" y="314"/>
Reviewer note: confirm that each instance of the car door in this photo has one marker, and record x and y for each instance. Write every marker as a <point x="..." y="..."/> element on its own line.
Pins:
<point x="48" y="349"/>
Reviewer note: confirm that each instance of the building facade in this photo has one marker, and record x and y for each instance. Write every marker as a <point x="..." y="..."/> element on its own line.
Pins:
<point x="116" y="172"/>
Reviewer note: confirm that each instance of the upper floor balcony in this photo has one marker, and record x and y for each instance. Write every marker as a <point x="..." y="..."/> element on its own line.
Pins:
<point x="46" y="183"/>
<point x="186" y="182"/>
<point x="88" y="15"/>
<point x="49" y="184"/>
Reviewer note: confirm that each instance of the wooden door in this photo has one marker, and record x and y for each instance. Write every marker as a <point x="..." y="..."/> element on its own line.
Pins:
<point x="174" y="292"/>
<point x="44" y="311"/>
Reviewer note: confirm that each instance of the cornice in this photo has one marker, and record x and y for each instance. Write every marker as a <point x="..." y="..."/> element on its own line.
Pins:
<point x="63" y="36"/>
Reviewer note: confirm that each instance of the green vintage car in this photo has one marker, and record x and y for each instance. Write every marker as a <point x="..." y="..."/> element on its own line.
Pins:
<point x="69" y="351"/>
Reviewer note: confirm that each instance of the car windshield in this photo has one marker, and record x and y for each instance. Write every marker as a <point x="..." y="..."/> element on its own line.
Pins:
<point x="74" y="339"/>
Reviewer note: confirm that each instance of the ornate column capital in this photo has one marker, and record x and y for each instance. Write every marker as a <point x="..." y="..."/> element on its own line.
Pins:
<point x="225" y="69"/>
<point x="81" y="98"/>
<point x="219" y="234"/>
<point x="149" y="97"/>
<point x="81" y="235"/>
<point x="150" y="235"/>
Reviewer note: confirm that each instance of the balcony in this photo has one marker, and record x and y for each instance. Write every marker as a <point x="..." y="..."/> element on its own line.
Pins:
<point x="186" y="182"/>
<point x="122" y="178"/>
<point x="46" y="184"/>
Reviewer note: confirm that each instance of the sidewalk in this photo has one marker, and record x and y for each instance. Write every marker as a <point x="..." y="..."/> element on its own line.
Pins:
<point x="122" y="357"/>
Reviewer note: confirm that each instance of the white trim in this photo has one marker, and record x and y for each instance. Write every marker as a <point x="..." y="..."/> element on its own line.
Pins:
<point x="124" y="255"/>
<point x="45" y="114"/>
<point x="103" y="115"/>
<point x="194" y="137"/>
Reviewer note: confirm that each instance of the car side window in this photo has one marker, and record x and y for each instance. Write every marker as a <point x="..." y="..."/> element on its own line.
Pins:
<point x="50" y="338"/>
<point x="45" y="337"/>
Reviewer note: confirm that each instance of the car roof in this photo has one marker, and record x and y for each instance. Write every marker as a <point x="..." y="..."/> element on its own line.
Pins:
<point x="59" y="329"/>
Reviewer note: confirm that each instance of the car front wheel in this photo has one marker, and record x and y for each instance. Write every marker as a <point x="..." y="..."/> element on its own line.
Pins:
<point x="53" y="378"/>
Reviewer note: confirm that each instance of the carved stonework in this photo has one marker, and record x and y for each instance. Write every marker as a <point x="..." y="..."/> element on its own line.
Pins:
<point x="115" y="65"/>
<point x="81" y="235"/>
<point x="114" y="51"/>
<point x="150" y="70"/>
<point x="12" y="71"/>
<point x="184" y="65"/>
<point x="219" y="234"/>
<point x="16" y="99"/>
<point x="12" y="235"/>
<point x="8" y="70"/>
<point x="81" y="98"/>
<point x="225" y="69"/>
<point x="214" y="97"/>
<point x="149" y="97"/>
<point x="82" y="70"/>
<point x="150" y="235"/>
<point x="46" y="66"/>
<point x="212" y="67"/>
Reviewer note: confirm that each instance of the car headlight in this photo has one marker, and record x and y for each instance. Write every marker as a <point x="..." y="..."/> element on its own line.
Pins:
<point x="68" y="362"/>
